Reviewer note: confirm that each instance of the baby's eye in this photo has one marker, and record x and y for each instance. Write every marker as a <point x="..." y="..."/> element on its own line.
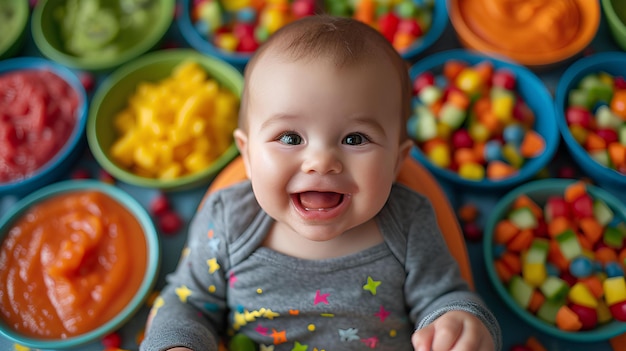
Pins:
<point x="290" y="138"/>
<point x="355" y="139"/>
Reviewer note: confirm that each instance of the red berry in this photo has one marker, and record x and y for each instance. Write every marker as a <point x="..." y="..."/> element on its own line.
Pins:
<point x="555" y="207"/>
<point x="618" y="311"/>
<point x="159" y="205"/>
<point x="113" y="340"/>
<point x="87" y="80"/>
<point x="170" y="222"/>
<point x="575" y="115"/>
<point x="80" y="174"/>
<point x="587" y="316"/>
<point x="472" y="231"/>
<point x="582" y="207"/>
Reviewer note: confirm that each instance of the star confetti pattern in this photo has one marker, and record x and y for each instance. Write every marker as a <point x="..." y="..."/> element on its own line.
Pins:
<point x="320" y="298"/>
<point x="371" y="285"/>
<point x="183" y="293"/>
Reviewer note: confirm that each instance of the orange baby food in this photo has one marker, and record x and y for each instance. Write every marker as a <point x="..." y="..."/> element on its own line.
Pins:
<point x="70" y="264"/>
<point x="529" y="31"/>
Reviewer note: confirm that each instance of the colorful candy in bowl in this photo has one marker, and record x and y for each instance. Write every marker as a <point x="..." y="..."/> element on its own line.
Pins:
<point x="591" y="112"/>
<point x="99" y="35"/>
<point x="44" y="113"/>
<point x="165" y="120"/>
<point x="554" y="252"/>
<point x="479" y="122"/>
<point x="535" y="33"/>
<point x="79" y="258"/>
<point x="233" y="30"/>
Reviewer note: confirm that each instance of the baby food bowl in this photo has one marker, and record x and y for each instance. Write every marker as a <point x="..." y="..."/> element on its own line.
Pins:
<point x="195" y="32"/>
<point x="145" y="279"/>
<point x="615" y="12"/>
<point x="99" y="35"/>
<point x="539" y="35"/>
<point x="65" y="157"/>
<point x="13" y="19"/>
<point x="535" y="95"/>
<point x="613" y="64"/>
<point x="112" y="97"/>
<point x="539" y="191"/>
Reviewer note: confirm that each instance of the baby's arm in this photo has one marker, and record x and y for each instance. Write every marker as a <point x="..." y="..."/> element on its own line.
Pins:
<point x="458" y="330"/>
<point x="190" y="310"/>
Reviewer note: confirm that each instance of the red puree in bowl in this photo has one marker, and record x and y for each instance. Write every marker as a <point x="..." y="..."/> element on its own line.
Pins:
<point x="37" y="117"/>
<point x="69" y="264"/>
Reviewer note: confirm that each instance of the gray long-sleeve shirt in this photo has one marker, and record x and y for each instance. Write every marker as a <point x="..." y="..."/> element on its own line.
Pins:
<point x="228" y="283"/>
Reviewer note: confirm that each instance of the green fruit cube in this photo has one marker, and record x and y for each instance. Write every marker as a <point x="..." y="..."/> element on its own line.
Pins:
<point x="523" y="218"/>
<point x="602" y="212"/>
<point x="520" y="291"/>
<point x="569" y="244"/>
<point x="554" y="288"/>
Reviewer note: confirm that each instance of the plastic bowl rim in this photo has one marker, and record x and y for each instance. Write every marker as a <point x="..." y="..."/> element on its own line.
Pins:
<point x="152" y="267"/>
<point x="549" y="186"/>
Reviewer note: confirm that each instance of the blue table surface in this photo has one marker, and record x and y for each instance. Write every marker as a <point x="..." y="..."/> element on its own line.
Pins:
<point x="515" y="330"/>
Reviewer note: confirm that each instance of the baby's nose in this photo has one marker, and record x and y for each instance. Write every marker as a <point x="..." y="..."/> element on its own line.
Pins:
<point x="322" y="161"/>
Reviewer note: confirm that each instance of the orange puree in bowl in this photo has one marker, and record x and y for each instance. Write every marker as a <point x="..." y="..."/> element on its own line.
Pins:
<point x="69" y="264"/>
<point x="524" y="26"/>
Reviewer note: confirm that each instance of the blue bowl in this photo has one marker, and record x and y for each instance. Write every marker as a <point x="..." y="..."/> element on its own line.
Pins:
<point x="534" y="93"/>
<point x="239" y="60"/>
<point x="152" y="267"/>
<point x="540" y="191"/>
<point x="56" y="167"/>
<point x="609" y="62"/>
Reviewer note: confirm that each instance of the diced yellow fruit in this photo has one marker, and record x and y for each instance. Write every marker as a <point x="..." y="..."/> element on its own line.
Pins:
<point x="534" y="273"/>
<point x="604" y="314"/>
<point x="173" y="171"/>
<point x="145" y="157"/>
<point x="581" y="295"/>
<point x="614" y="290"/>
<point x="197" y="161"/>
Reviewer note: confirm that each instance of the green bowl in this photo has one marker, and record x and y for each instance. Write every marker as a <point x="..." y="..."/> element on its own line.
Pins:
<point x="112" y="95"/>
<point x="67" y="32"/>
<point x="540" y="191"/>
<point x="615" y="12"/>
<point x="13" y="20"/>
<point x="150" y="276"/>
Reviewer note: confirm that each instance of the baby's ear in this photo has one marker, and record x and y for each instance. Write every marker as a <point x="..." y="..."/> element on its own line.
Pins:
<point x="403" y="152"/>
<point x="241" y="140"/>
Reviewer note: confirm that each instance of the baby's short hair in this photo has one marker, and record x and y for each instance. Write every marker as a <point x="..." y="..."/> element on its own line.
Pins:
<point x="342" y="40"/>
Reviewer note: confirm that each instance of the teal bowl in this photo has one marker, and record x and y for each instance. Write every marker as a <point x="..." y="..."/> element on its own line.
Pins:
<point x="149" y="277"/>
<point x="608" y="62"/>
<point x="66" y="157"/>
<point x="540" y="191"/>
<point x="73" y="34"/>
<point x="14" y="16"/>
<point x="112" y="96"/>
<point x="533" y="92"/>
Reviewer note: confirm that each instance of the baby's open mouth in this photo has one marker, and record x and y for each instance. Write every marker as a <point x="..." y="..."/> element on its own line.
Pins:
<point x="319" y="201"/>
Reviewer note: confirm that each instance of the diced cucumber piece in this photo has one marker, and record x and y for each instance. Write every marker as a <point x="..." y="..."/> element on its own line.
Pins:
<point x="521" y="291"/>
<point x="602" y="212"/>
<point x="426" y="126"/>
<point x="523" y="218"/>
<point x="569" y="245"/>
<point x="549" y="309"/>
<point x="554" y="288"/>
<point x="452" y="115"/>
<point x="538" y="251"/>
<point x="605" y="118"/>
<point x="613" y="237"/>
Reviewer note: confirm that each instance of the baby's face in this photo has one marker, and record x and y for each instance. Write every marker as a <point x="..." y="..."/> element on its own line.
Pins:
<point x="322" y="144"/>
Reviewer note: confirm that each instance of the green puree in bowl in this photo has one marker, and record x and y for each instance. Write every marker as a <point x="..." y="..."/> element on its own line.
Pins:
<point x="8" y="21"/>
<point x="103" y="27"/>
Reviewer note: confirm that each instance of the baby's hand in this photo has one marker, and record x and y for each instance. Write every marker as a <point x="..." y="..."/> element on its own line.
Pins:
<point x="458" y="330"/>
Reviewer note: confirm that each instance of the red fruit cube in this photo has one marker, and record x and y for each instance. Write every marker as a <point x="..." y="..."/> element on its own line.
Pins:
<point x="170" y="222"/>
<point x="618" y="311"/>
<point x="582" y="207"/>
<point x="159" y="205"/>
<point x="555" y="206"/>
<point x="576" y="115"/>
<point x="425" y="79"/>
<point x="587" y="316"/>
<point x="504" y="78"/>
